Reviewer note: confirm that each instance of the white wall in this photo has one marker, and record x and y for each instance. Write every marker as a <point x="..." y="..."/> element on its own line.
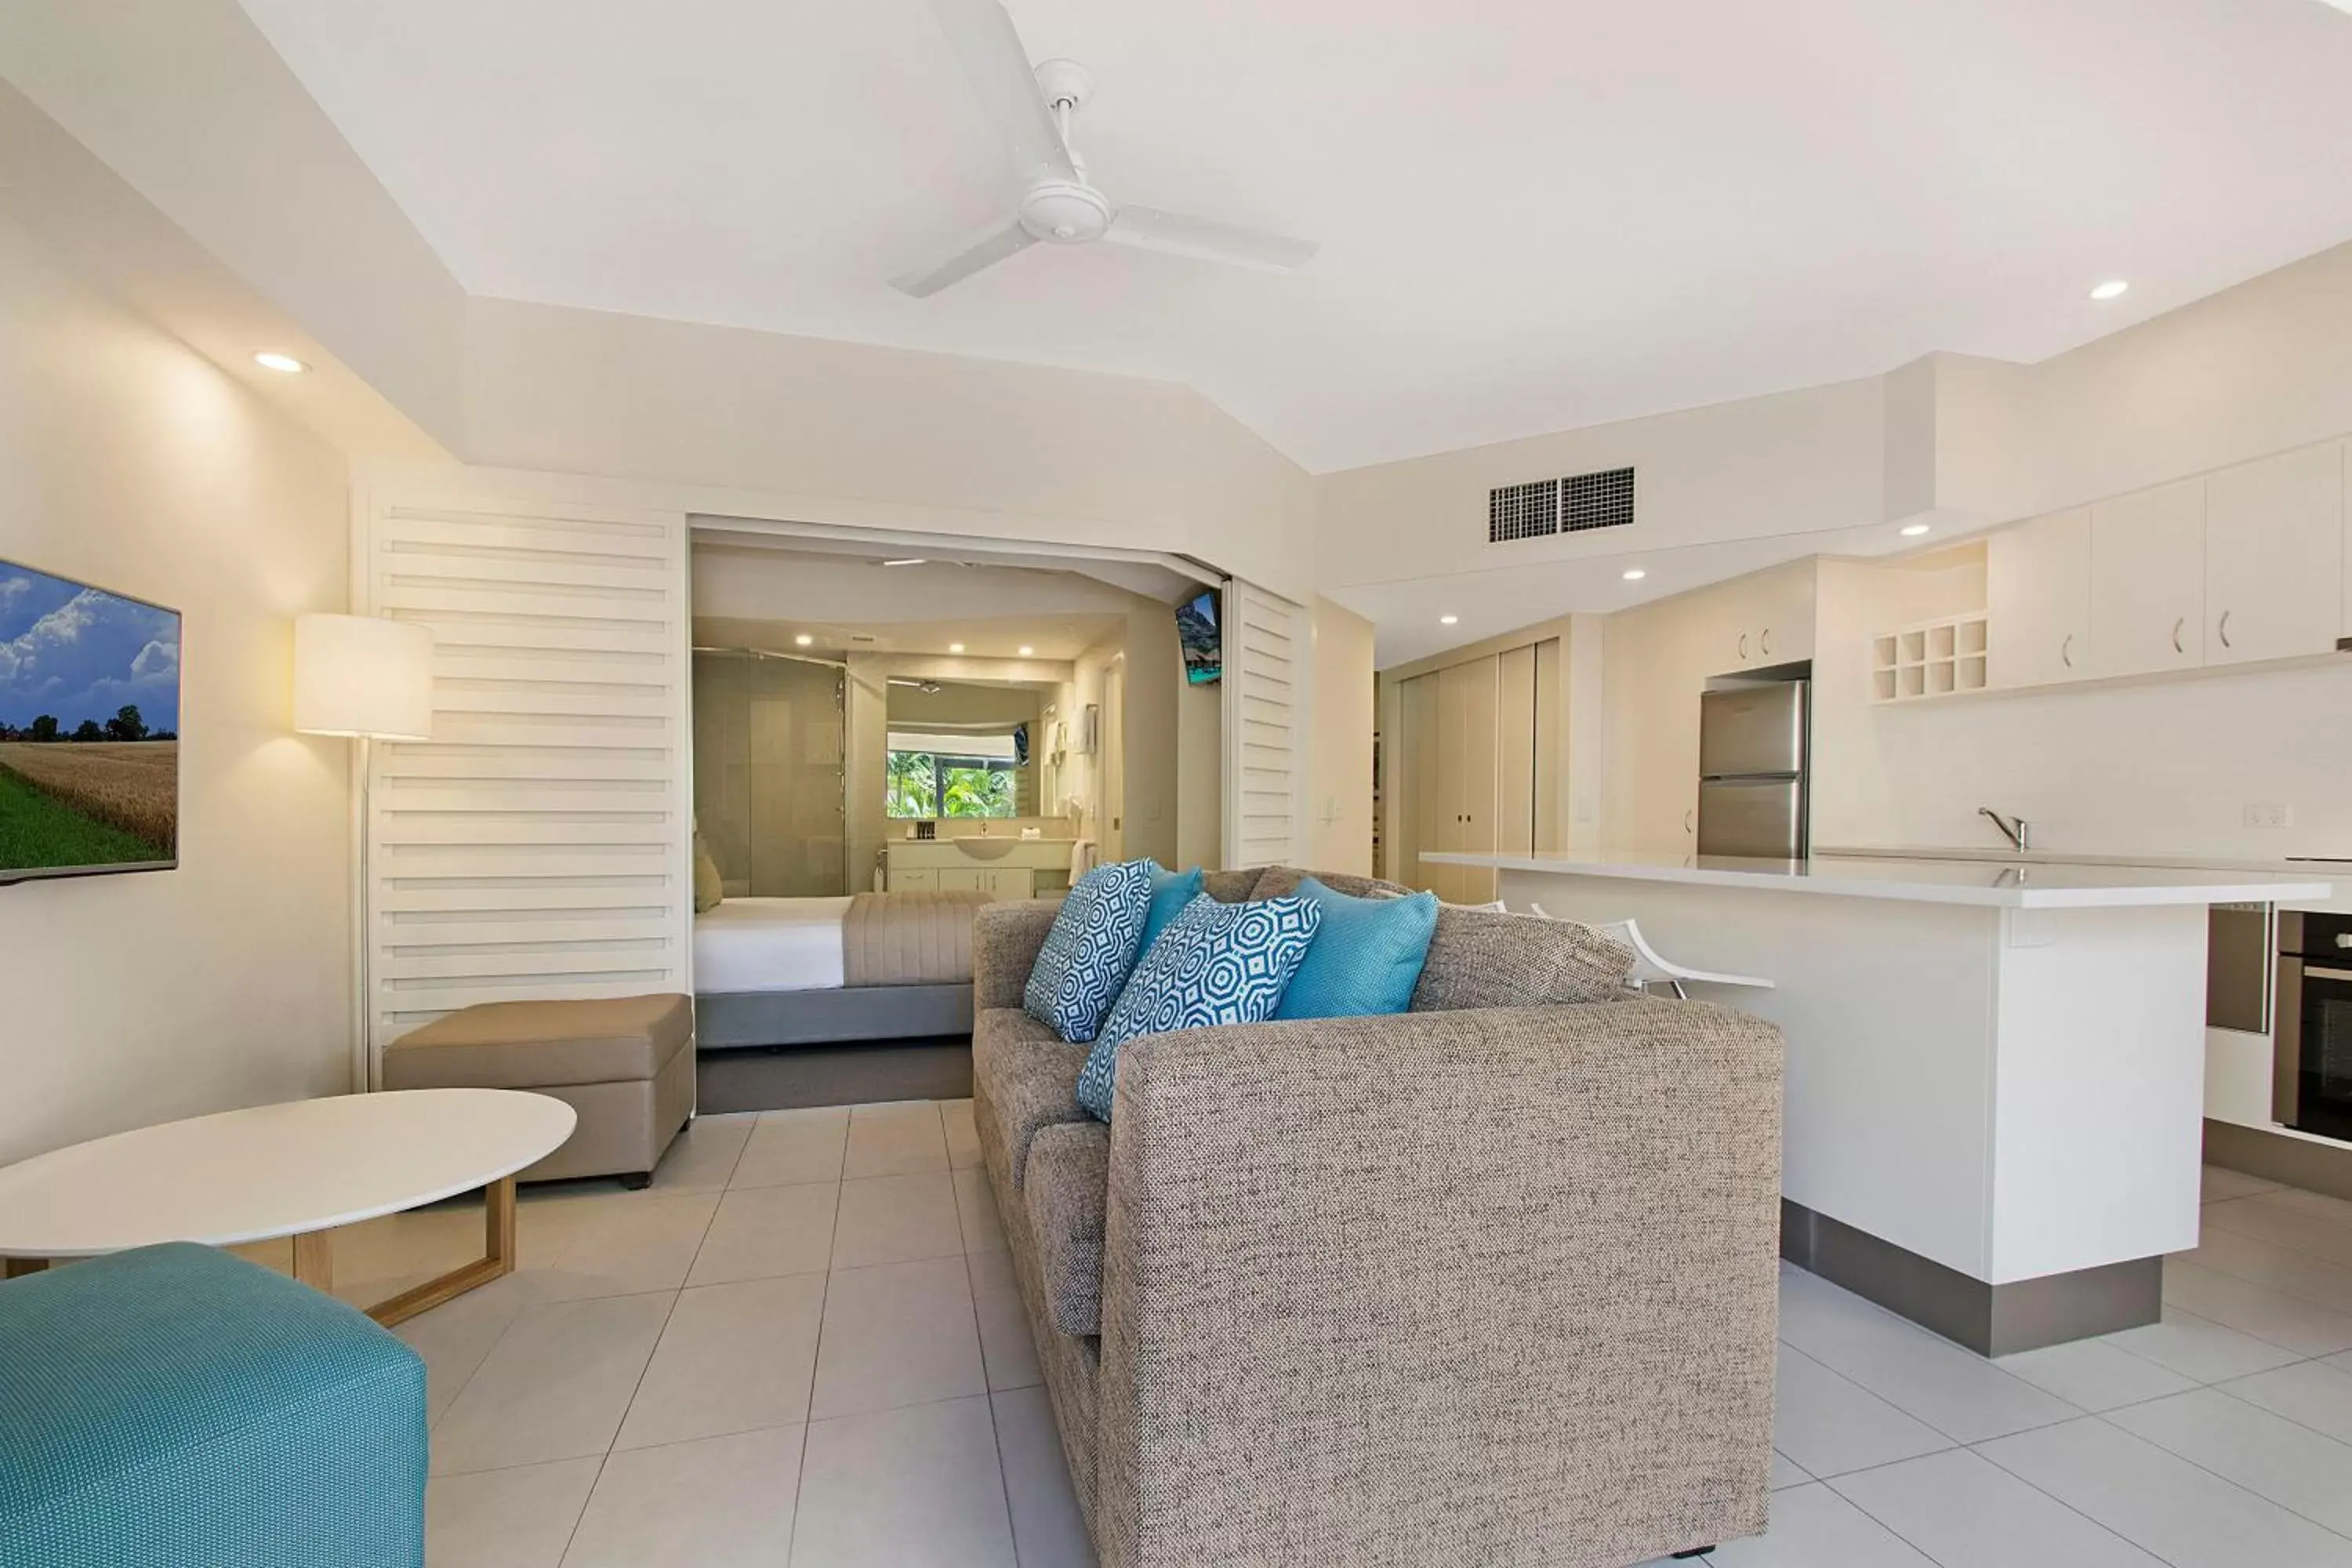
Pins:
<point x="129" y="461"/>
<point x="1338" y="832"/>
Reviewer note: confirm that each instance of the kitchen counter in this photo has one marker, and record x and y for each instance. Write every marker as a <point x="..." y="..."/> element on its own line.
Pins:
<point x="2006" y="885"/>
<point x="1995" y="1090"/>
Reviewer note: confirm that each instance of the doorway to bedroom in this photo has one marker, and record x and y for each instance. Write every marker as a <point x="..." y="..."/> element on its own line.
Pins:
<point x="884" y="738"/>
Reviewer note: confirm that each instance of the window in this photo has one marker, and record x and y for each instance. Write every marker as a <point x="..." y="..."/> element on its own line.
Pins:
<point x="951" y="776"/>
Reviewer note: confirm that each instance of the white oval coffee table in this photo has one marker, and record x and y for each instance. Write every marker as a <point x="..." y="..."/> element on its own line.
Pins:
<point x="296" y="1170"/>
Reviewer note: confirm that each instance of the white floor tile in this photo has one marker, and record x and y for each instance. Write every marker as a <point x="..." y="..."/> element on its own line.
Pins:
<point x="2221" y="1185"/>
<point x="1964" y="1511"/>
<point x="2199" y="1348"/>
<point x="2269" y="1456"/>
<point x="760" y="1233"/>
<point x="2094" y="1375"/>
<point x="1829" y="1425"/>
<point x="2274" y="1264"/>
<point x="790" y="1148"/>
<point x="894" y="1140"/>
<point x="1812" y="1527"/>
<point x="902" y="1333"/>
<point x="731" y="1359"/>
<point x="555" y="1386"/>
<point x="975" y="1202"/>
<point x="506" y="1519"/>
<point x="917" y="1487"/>
<point x="2319" y="1204"/>
<point x="454" y="1337"/>
<point x="626" y="1246"/>
<point x="2287" y="1321"/>
<point x="2317" y="1394"/>
<point x="896" y="1219"/>
<point x="1048" y="1531"/>
<point x="1787" y="1472"/>
<point x="717" y="1502"/>
<point x="2319" y="1233"/>
<point x="2161" y="1503"/>
<point x="963" y="1138"/>
<point x="703" y="1155"/>
<point x="1004" y="1338"/>
<point x="1957" y="1392"/>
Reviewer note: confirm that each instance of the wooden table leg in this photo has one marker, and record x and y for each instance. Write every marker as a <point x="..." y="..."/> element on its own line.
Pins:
<point x="16" y="1268"/>
<point x="314" y="1261"/>
<point x="497" y="1259"/>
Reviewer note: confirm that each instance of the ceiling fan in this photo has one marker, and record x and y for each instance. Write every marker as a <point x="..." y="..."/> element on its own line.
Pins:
<point x="1059" y="204"/>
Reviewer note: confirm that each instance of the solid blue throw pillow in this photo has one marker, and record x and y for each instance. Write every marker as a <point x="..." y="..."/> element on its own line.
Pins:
<point x="1090" y="950"/>
<point x="1366" y="957"/>
<point x="1171" y="891"/>
<point x="1216" y="964"/>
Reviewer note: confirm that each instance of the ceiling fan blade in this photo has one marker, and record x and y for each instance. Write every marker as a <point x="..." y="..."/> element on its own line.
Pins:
<point x="1146" y="228"/>
<point x="989" y="50"/>
<point x="982" y="253"/>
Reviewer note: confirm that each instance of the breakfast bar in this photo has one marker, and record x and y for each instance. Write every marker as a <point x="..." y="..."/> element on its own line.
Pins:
<point x="1995" y="1090"/>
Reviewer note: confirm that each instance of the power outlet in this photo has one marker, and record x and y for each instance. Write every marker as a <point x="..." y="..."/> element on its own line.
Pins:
<point x="2268" y="815"/>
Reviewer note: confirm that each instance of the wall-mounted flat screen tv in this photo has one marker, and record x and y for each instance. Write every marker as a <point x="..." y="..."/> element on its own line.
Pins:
<point x="89" y="729"/>
<point x="1204" y="648"/>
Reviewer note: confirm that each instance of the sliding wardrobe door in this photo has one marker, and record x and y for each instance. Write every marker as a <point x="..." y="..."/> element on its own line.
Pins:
<point x="1415" y="768"/>
<point x="1515" y="750"/>
<point x="1466" y="773"/>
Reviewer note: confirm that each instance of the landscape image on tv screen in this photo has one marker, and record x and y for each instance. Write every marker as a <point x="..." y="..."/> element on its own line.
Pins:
<point x="1196" y="629"/>
<point x="89" y="729"/>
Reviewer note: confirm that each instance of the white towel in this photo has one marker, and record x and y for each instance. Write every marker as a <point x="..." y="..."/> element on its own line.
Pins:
<point x="1082" y="858"/>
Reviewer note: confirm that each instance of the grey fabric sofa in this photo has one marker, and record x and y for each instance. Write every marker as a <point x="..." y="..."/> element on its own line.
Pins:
<point x="1478" y="1286"/>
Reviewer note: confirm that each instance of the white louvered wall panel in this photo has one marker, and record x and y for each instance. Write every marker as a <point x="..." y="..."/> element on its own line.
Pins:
<point x="1265" y="665"/>
<point x="539" y="846"/>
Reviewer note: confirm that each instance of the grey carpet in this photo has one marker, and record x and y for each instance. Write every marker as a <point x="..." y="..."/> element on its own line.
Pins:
<point x="783" y="1078"/>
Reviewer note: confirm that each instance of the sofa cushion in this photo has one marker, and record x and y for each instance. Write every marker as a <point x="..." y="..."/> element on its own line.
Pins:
<point x="1024" y="1077"/>
<point x="1481" y="959"/>
<point x="539" y="1044"/>
<point x="1365" y="958"/>
<point x="1066" y="1195"/>
<point x="1218" y="964"/>
<point x="1282" y="882"/>
<point x="1090" y="952"/>
<point x="1232" y="886"/>
<point x="1171" y="891"/>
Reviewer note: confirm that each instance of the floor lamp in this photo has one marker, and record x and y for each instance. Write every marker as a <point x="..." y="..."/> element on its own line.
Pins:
<point x="372" y="679"/>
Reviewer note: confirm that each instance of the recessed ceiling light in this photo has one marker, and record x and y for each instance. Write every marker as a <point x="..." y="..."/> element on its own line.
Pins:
<point x="1026" y="650"/>
<point x="906" y="561"/>
<point x="1914" y="530"/>
<point x="804" y="639"/>
<point x="1449" y="620"/>
<point x="955" y="648"/>
<point x="2110" y="290"/>
<point x="285" y="364"/>
<point x="1636" y="574"/>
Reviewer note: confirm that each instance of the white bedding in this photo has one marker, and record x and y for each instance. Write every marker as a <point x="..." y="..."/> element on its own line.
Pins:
<point x="768" y="944"/>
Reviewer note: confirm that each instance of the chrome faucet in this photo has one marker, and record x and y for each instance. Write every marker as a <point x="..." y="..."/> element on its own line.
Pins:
<point x="2016" y="829"/>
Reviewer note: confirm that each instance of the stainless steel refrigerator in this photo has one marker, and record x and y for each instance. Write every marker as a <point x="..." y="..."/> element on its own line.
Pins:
<point x="1752" y="771"/>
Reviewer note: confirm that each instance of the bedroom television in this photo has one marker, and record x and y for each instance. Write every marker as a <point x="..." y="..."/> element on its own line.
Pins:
<point x="1197" y="630"/>
<point x="89" y="729"/>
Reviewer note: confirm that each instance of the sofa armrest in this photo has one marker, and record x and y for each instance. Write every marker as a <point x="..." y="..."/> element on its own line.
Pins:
<point x="1494" y="1286"/>
<point x="1005" y="941"/>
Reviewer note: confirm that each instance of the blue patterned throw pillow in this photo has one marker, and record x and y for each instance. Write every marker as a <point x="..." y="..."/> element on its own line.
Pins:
<point x="1090" y="950"/>
<point x="1215" y="963"/>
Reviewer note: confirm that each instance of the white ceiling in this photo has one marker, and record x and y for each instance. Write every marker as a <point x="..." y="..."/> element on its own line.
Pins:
<point x="1534" y="215"/>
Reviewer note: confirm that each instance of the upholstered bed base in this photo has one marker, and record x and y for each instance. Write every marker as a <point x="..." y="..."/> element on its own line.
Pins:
<point x="745" y="1018"/>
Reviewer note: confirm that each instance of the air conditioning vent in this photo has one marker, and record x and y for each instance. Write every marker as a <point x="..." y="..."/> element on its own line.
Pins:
<point x="1604" y="499"/>
<point x="1543" y="507"/>
<point x="1523" y="511"/>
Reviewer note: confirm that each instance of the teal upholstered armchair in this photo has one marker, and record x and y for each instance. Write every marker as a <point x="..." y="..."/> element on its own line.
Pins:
<point x="175" y="1406"/>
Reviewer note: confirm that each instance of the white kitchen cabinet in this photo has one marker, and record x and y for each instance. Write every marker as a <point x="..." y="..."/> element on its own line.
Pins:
<point x="1765" y="618"/>
<point x="2275" y="557"/>
<point x="2038" y="602"/>
<point x="2147" y="582"/>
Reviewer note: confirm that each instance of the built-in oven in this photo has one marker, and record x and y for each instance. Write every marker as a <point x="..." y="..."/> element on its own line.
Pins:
<point x="2311" y="1089"/>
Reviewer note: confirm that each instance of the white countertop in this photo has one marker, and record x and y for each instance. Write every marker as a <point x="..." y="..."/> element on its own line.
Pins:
<point x="2009" y="885"/>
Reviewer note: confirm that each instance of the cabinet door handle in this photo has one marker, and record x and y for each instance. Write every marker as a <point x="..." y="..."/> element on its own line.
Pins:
<point x="1743" y="644"/>
<point x="2066" y="650"/>
<point x="2224" y="629"/>
<point x="2176" y="628"/>
<point x="1764" y="643"/>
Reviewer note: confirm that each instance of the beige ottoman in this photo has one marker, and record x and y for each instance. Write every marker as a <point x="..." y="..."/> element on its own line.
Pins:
<point x="625" y="1064"/>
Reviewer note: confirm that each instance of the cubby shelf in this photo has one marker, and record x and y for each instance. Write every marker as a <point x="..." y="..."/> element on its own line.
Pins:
<point x="1934" y="658"/>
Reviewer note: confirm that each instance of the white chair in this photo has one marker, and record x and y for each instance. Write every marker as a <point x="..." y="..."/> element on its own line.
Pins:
<point x="1653" y="968"/>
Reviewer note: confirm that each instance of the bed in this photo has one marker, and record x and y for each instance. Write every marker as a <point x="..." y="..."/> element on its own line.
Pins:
<point x="870" y="966"/>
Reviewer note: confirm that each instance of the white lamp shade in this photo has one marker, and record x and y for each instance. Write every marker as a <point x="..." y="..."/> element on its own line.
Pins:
<point x="362" y="675"/>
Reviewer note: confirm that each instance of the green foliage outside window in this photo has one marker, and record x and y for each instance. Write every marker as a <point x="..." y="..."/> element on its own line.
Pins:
<point x="927" y="784"/>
